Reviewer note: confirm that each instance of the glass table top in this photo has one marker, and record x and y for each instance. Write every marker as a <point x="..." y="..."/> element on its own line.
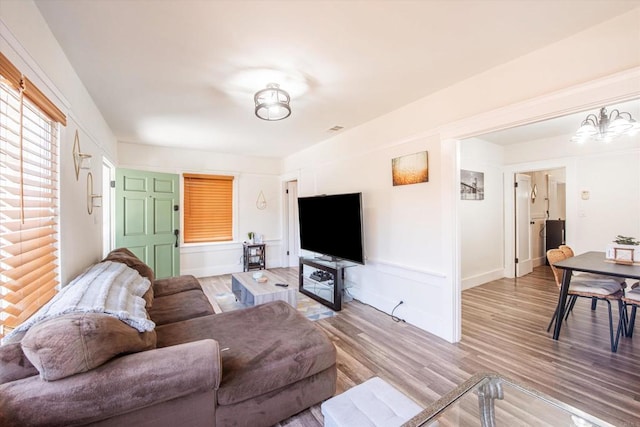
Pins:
<point x="490" y="400"/>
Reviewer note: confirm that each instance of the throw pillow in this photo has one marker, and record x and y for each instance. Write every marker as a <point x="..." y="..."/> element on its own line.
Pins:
<point x="74" y="343"/>
<point x="13" y="363"/>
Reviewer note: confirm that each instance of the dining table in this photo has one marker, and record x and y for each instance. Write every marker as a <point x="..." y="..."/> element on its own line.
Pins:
<point x="588" y="262"/>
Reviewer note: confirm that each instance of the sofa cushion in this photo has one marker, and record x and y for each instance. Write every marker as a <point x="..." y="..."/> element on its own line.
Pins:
<point x="75" y="343"/>
<point x="180" y="306"/>
<point x="174" y="285"/>
<point x="14" y="365"/>
<point x="125" y="256"/>
<point x="198" y="328"/>
<point x="125" y="385"/>
<point x="263" y="348"/>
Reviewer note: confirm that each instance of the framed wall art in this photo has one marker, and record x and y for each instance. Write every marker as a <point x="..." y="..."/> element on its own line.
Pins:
<point x="410" y="169"/>
<point x="471" y="185"/>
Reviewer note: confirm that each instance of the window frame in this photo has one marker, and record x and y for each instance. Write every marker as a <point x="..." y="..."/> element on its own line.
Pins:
<point x="234" y="209"/>
<point x="36" y="125"/>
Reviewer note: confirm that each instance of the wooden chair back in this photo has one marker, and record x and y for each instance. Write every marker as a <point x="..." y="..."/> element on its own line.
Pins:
<point x="566" y="250"/>
<point x="556" y="255"/>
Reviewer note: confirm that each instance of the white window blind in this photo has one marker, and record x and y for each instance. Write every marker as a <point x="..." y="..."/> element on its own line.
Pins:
<point x="28" y="200"/>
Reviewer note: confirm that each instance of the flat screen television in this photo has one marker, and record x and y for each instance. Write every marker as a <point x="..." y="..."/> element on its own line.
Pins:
<point x="332" y="226"/>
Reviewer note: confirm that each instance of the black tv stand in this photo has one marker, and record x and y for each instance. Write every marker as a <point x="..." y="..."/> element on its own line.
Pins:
<point x="323" y="280"/>
<point x="321" y="276"/>
<point x="327" y="258"/>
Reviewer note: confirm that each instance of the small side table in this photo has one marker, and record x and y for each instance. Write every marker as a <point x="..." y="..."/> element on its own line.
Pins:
<point x="254" y="256"/>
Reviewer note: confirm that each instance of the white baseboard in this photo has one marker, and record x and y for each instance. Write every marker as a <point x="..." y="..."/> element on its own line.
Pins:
<point x="537" y="262"/>
<point x="409" y="311"/>
<point x="479" y="279"/>
<point x="219" y="270"/>
<point x="216" y="270"/>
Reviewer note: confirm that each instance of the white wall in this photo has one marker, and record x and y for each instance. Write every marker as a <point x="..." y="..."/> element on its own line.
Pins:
<point x="611" y="174"/>
<point x="417" y="262"/>
<point x="481" y="221"/>
<point x="412" y="232"/>
<point x="26" y="40"/>
<point x="253" y="175"/>
<point x="400" y="227"/>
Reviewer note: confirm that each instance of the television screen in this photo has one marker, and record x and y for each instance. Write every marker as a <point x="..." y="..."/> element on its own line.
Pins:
<point x="332" y="225"/>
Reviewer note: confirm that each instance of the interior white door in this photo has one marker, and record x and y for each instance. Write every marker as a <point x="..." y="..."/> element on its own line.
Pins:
<point x="554" y="204"/>
<point x="524" y="263"/>
<point x="293" y="228"/>
<point x="108" y="208"/>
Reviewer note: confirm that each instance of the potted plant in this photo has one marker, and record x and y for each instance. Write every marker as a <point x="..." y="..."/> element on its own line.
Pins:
<point x="629" y="241"/>
<point x="624" y="250"/>
<point x="250" y="235"/>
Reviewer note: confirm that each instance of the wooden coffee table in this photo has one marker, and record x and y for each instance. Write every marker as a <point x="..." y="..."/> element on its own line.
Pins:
<point x="250" y="292"/>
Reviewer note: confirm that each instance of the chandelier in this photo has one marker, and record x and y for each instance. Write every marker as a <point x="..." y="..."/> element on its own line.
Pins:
<point x="272" y="103"/>
<point x="606" y="127"/>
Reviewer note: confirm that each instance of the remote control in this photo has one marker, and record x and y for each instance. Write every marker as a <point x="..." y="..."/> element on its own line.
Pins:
<point x="282" y="285"/>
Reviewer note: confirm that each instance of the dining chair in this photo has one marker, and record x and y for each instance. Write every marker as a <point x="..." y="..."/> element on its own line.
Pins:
<point x="626" y="323"/>
<point x="604" y="289"/>
<point x="586" y="277"/>
<point x="631" y="299"/>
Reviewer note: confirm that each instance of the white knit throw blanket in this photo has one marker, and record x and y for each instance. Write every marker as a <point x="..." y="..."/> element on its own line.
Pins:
<point x="108" y="287"/>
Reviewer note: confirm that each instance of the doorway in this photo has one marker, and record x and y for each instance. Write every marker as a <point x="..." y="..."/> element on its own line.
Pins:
<point x="540" y="217"/>
<point x="291" y="226"/>
<point x="148" y="218"/>
<point x="532" y="156"/>
<point x="496" y="238"/>
<point x="108" y="206"/>
<point x="522" y="207"/>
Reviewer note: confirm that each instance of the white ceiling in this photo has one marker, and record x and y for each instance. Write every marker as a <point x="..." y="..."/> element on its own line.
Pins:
<point x="565" y="126"/>
<point x="182" y="73"/>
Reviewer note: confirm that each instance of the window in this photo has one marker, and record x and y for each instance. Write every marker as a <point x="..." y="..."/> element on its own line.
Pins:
<point x="208" y="208"/>
<point x="28" y="197"/>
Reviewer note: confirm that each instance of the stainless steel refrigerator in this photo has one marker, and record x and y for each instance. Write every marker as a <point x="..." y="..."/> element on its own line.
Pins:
<point x="554" y="234"/>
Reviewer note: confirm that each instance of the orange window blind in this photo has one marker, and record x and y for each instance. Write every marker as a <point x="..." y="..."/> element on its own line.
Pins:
<point x="208" y="208"/>
<point x="28" y="197"/>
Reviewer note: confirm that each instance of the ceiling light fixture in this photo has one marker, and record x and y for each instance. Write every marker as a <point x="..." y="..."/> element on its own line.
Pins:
<point x="606" y="127"/>
<point x="272" y="103"/>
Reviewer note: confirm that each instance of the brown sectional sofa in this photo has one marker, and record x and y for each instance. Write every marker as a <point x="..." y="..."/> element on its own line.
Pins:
<point x="250" y="367"/>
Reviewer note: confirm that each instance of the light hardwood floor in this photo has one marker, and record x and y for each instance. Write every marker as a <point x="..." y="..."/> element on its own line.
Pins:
<point x="503" y="330"/>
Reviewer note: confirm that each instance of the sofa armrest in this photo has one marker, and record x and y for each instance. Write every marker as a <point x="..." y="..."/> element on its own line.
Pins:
<point x="123" y="385"/>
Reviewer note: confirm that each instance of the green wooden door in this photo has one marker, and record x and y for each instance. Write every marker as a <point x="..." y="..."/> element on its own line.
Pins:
<point x="148" y="220"/>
